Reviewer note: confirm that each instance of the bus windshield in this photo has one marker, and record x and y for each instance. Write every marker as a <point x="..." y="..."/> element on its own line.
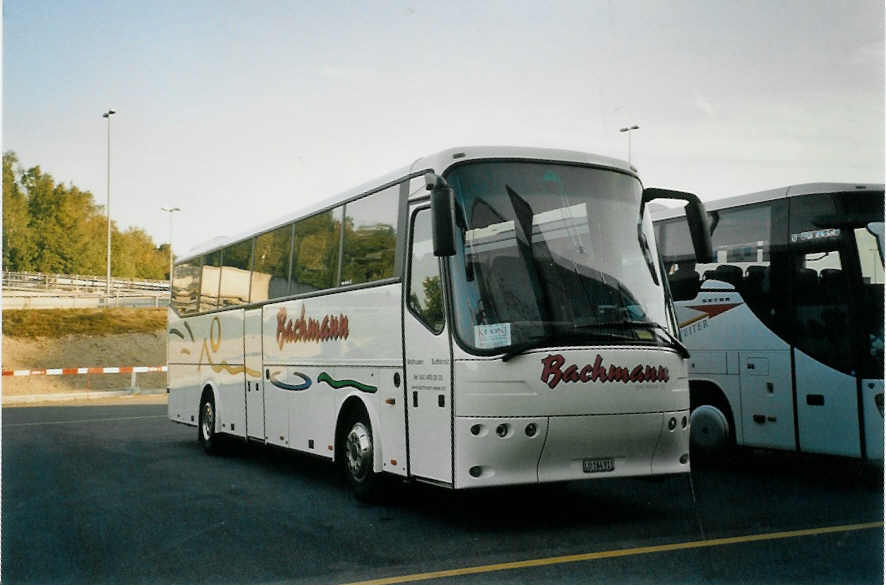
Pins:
<point x="553" y="254"/>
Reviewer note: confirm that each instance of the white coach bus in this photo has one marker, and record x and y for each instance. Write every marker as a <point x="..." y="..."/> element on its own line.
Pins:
<point x="485" y="316"/>
<point x="786" y="326"/>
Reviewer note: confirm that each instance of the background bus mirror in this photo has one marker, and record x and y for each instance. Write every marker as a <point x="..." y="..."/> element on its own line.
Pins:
<point x="876" y="228"/>
<point x="441" y="213"/>
<point x="696" y="218"/>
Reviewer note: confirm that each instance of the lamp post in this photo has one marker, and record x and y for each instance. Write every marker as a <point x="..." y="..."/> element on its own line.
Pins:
<point x="170" y="211"/>
<point x="108" y="115"/>
<point x="628" y="129"/>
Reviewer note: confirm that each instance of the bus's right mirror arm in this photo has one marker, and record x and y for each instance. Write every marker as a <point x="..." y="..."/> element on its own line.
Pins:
<point x="696" y="218"/>
<point x="441" y="213"/>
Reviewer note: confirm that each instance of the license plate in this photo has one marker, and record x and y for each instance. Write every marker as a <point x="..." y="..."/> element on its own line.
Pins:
<point x="598" y="465"/>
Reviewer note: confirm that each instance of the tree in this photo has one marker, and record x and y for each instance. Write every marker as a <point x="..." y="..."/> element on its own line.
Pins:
<point x="56" y="228"/>
<point x="19" y="248"/>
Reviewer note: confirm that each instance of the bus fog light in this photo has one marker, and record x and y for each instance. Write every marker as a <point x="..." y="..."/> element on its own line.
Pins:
<point x="475" y="429"/>
<point x="476" y="471"/>
<point x="531" y="429"/>
<point x="684" y="458"/>
<point x="502" y="430"/>
<point x="672" y="424"/>
<point x="684" y="422"/>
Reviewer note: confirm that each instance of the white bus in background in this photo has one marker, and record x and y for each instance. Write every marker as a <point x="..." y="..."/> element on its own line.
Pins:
<point x="485" y="316"/>
<point x="786" y="326"/>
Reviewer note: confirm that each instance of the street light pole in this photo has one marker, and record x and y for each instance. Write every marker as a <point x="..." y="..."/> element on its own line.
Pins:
<point x="170" y="211"/>
<point x="108" y="115"/>
<point x="628" y="129"/>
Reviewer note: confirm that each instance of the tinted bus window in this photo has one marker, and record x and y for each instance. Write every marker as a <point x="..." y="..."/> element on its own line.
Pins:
<point x="315" y="252"/>
<point x="370" y="238"/>
<point x="209" y="281"/>
<point x="185" y="287"/>
<point x="270" y="275"/>
<point x="234" y="287"/>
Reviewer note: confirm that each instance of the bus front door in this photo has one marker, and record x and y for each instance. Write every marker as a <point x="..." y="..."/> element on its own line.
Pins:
<point x="428" y="370"/>
<point x="255" y="396"/>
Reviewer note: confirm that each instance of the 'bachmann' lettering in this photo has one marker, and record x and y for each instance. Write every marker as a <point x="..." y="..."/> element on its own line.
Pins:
<point x="553" y="372"/>
<point x="310" y="329"/>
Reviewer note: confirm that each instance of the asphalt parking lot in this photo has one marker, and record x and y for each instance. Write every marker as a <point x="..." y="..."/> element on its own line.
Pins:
<point x="118" y="494"/>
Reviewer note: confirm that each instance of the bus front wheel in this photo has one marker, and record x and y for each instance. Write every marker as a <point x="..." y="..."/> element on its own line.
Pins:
<point x="709" y="430"/>
<point x="359" y="459"/>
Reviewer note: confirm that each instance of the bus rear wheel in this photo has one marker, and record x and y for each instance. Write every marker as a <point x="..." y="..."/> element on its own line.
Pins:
<point x="358" y="459"/>
<point x="206" y="434"/>
<point x="710" y="431"/>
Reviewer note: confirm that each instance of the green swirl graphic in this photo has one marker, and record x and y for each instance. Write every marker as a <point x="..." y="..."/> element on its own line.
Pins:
<point x="339" y="384"/>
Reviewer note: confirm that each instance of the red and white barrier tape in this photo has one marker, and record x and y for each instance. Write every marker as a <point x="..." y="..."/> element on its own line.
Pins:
<point x="66" y="371"/>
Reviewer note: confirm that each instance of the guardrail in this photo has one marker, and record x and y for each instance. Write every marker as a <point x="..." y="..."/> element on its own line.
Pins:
<point x="79" y="282"/>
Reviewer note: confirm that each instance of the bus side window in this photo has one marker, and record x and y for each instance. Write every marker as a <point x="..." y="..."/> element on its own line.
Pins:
<point x="209" y="281"/>
<point x="270" y="275"/>
<point x="820" y="284"/>
<point x="315" y="251"/>
<point x="425" y="294"/>
<point x="185" y="287"/>
<point x="679" y="258"/>
<point x="370" y="238"/>
<point x="235" y="274"/>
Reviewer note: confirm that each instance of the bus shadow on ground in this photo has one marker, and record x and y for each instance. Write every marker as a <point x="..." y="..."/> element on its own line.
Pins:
<point x="602" y="502"/>
<point x="811" y="470"/>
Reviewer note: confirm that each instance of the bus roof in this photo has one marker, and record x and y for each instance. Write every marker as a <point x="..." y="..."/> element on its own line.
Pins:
<point x="661" y="212"/>
<point x="437" y="162"/>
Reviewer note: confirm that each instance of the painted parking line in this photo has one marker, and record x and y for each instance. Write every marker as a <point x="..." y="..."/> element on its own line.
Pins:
<point x="618" y="553"/>
<point x="79" y="421"/>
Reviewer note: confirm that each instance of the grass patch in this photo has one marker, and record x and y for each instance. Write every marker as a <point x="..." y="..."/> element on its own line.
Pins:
<point x="54" y="323"/>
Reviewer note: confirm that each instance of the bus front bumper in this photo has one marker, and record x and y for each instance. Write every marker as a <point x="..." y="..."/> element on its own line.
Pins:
<point x="521" y="450"/>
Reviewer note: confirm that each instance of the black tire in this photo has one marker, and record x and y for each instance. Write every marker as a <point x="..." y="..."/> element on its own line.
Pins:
<point x="206" y="434"/>
<point x="358" y="455"/>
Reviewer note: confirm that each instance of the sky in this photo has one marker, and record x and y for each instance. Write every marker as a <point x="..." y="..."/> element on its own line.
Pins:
<point x="241" y="112"/>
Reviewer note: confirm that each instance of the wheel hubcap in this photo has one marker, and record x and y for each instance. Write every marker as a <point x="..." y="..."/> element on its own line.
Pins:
<point x="208" y="421"/>
<point x="358" y="451"/>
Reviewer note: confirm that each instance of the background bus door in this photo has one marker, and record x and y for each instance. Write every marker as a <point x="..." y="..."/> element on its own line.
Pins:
<point x="825" y="353"/>
<point x="255" y="396"/>
<point x="427" y="347"/>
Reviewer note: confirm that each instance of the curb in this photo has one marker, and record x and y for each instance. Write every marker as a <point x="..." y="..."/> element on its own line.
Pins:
<point x="64" y="396"/>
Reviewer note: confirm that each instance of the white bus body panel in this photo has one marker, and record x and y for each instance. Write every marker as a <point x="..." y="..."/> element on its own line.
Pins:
<point x="574" y="420"/>
<point x="725" y="339"/>
<point x="207" y="350"/>
<point x="829" y="425"/>
<point x="312" y="368"/>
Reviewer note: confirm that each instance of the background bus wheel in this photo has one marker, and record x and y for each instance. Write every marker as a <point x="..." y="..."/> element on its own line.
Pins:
<point x="710" y="432"/>
<point x="358" y="459"/>
<point x="206" y="426"/>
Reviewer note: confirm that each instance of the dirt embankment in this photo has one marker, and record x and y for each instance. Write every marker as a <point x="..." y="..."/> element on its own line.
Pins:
<point x="77" y="351"/>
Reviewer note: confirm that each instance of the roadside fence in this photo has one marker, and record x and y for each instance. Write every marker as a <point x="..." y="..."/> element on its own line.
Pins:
<point x="133" y="370"/>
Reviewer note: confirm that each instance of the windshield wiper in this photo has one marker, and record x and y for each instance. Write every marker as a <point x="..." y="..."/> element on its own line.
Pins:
<point x="544" y="340"/>
<point x="678" y="345"/>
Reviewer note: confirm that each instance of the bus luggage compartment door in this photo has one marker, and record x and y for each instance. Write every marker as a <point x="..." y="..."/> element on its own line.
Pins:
<point x="767" y="401"/>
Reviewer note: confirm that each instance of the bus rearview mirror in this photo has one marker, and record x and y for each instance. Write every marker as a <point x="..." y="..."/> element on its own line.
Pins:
<point x="696" y="218"/>
<point x="441" y="214"/>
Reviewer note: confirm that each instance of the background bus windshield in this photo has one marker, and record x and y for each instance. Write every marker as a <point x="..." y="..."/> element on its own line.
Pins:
<point x="552" y="253"/>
